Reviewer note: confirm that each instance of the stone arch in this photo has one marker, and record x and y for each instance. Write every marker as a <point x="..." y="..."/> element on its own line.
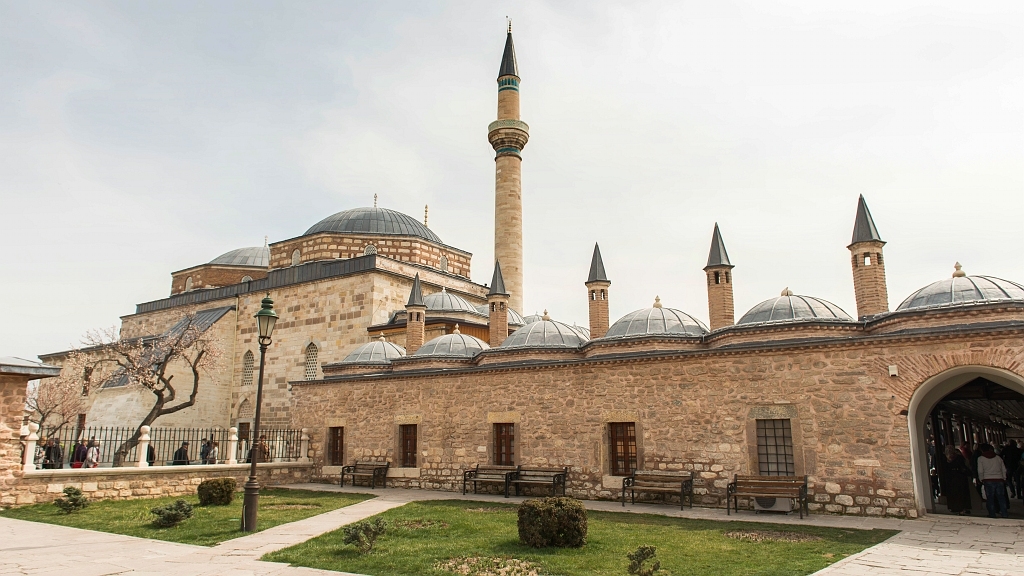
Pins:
<point x="245" y="409"/>
<point x="926" y="396"/>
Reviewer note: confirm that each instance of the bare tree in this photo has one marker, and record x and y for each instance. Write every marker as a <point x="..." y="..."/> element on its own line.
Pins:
<point x="58" y="401"/>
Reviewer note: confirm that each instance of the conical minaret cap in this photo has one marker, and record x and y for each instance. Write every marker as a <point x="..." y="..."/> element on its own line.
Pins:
<point x="497" y="282"/>
<point x="416" y="294"/>
<point x="508" y="58"/>
<point x="597" y="273"/>
<point x="718" y="256"/>
<point x="864" y="227"/>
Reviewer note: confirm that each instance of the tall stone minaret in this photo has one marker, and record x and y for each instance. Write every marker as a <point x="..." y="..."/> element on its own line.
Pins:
<point x="508" y="135"/>
<point x="868" y="265"/>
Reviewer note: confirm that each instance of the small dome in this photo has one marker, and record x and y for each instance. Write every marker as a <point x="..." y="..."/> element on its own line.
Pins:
<point x="791" y="308"/>
<point x="514" y="318"/>
<point x="380" y="351"/>
<point x="962" y="290"/>
<point x="444" y="301"/>
<point x="373" y="221"/>
<point x="656" y="320"/>
<point x="546" y="334"/>
<point x="256" y="256"/>
<point x="454" y="344"/>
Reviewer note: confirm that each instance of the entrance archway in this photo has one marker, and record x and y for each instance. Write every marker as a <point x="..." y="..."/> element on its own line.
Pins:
<point x="926" y="398"/>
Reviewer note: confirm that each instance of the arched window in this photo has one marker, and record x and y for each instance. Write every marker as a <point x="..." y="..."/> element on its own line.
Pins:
<point x="188" y="284"/>
<point x="247" y="366"/>
<point x="443" y="263"/>
<point x="246" y="278"/>
<point x="245" y="409"/>
<point x="311" y="357"/>
<point x="296" y="257"/>
<point x="370" y="249"/>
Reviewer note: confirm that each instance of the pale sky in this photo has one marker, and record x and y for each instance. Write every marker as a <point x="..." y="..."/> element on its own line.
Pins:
<point x="137" y="139"/>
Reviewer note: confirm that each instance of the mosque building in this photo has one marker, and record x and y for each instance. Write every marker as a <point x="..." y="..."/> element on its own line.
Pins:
<point x="383" y="337"/>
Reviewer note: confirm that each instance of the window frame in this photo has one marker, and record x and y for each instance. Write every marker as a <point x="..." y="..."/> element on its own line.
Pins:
<point x="504" y="444"/>
<point x="248" y="367"/>
<point x="310" y="366"/>
<point x="771" y="434"/>
<point x="622" y="448"/>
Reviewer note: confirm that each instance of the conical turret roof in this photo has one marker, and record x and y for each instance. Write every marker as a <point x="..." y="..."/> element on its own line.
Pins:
<point x="718" y="256"/>
<point x="416" y="294"/>
<point x="597" y="273"/>
<point x="864" y="227"/>
<point x="497" y="282"/>
<point x="508" y="58"/>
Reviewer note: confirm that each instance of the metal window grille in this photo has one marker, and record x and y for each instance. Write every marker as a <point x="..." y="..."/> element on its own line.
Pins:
<point x="775" y="448"/>
<point x="336" y="446"/>
<point x="504" y="444"/>
<point x="407" y="441"/>
<point x="311" y="357"/>
<point x="247" y="367"/>
<point x="623" y="448"/>
<point x="370" y="249"/>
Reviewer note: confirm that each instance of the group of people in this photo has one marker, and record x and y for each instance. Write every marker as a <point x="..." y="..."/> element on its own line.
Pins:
<point x="996" y="476"/>
<point x="209" y="452"/>
<point x="50" y="456"/>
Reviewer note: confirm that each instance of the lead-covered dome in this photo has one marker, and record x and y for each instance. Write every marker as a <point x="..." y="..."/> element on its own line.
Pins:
<point x="656" y="321"/>
<point x="514" y="317"/>
<point x="255" y="256"/>
<point x="962" y="289"/>
<point x="792" y="308"/>
<point x="445" y="301"/>
<point x="380" y="351"/>
<point x="546" y="333"/>
<point x="374" y="221"/>
<point x="454" y="344"/>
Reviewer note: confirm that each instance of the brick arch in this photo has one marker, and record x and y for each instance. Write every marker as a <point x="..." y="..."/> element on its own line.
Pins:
<point x="917" y="370"/>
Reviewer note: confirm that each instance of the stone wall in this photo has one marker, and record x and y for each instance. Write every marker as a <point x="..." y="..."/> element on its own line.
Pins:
<point x="12" y="409"/>
<point x="214" y="276"/>
<point x="329" y="246"/>
<point x="42" y="486"/>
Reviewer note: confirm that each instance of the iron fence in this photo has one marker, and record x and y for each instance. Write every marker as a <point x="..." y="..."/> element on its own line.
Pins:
<point x="115" y="448"/>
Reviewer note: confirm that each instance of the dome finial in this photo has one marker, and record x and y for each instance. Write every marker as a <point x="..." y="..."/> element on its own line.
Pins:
<point x="265" y="240"/>
<point x="958" y="273"/>
<point x="381" y="338"/>
<point x="456" y="330"/>
<point x="786" y="292"/>
<point x="375" y="200"/>
<point x="545" y="317"/>
<point x="657" y="301"/>
<point x="426" y="212"/>
<point x="509" y="24"/>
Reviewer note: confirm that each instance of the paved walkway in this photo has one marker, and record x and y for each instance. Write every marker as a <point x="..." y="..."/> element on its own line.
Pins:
<point x="933" y="545"/>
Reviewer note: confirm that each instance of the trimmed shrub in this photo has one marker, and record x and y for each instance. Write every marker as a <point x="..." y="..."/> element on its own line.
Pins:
<point x="216" y="492"/>
<point x="560" y="522"/>
<point x="638" y="560"/>
<point x="172" y="514"/>
<point x="363" y="535"/>
<point x="72" y="501"/>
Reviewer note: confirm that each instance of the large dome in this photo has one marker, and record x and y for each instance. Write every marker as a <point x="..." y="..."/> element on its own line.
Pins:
<point x="962" y="289"/>
<point x="257" y="256"/>
<point x="445" y="301"/>
<point x="373" y="221"/>
<point x="454" y="344"/>
<point x="380" y="351"/>
<point x="546" y="334"/>
<point x="656" y="320"/>
<point x="790" y="308"/>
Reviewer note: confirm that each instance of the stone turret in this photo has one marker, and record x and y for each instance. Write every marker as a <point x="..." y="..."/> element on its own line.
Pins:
<point x="508" y="136"/>
<point x="597" y="295"/>
<point x="721" y="312"/>
<point x="868" y="265"/>
<point x="415" y="323"/>
<point x="497" y="309"/>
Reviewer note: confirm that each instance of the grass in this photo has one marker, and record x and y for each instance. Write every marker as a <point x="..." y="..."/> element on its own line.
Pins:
<point x="210" y="524"/>
<point x="425" y="533"/>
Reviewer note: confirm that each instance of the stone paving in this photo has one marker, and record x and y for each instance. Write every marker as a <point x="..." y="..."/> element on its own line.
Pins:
<point x="936" y="544"/>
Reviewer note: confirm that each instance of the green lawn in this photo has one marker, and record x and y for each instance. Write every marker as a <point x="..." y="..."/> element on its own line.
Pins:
<point x="209" y="525"/>
<point x="426" y="533"/>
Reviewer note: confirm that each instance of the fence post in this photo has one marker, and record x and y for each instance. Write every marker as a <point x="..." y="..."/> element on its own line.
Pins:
<point x="232" y="445"/>
<point x="304" y="446"/>
<point x="143" y="449"/>
<point x="29" y="462"/>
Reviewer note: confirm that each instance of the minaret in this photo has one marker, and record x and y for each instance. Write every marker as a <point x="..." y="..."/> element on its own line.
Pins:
<point x="508" y="136"/>
<point x="415" y="313"/>
<point x="497" y="309"/>
<point x="597" y="295"/>
<point x="868" y="264"/>
<point x="719" y="270"/>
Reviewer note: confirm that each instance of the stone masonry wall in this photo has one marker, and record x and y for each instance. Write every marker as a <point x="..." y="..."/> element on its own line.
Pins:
<point x="213" y="276"/>
<point x="12" y="409"/>
<point x="329" y="246"/>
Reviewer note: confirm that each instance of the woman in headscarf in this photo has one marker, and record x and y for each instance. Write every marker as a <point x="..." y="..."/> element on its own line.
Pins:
<point x="957" y="486"/>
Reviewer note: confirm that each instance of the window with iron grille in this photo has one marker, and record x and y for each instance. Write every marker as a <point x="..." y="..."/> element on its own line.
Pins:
<point x="311" y="357"/>
<point x="623" y="447"/>
<point x="247" y="365"/>
<point x="775" y="448"/>
<point x="504" y="444"/>
<point x="407" y="444"/>
<point x="336" y="446"/>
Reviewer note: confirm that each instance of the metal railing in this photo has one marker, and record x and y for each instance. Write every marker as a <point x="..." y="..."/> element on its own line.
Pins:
<point x="282" y="445"/>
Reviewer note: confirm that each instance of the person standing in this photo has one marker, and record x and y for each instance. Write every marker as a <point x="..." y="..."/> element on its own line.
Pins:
<point x="151" y="455"/>
<point x="78" y="454"/>
<point x="54" y="456"/>
<point x="204" y="449"/>
<point x="39" y="458"/>
<point x="181" y="455"/>
<point x="211" y="454"/>
<point x="1011" y="458"/>
<point x="92" y="455"/>
<point x="992" y="473"/>
<point x="957" y="483"/>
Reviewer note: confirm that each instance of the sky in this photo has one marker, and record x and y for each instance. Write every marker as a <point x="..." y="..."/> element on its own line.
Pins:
<point x="137" y="139"/>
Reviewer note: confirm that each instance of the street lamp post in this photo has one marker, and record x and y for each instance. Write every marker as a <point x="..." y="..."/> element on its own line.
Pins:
<point x="265" y="320"/>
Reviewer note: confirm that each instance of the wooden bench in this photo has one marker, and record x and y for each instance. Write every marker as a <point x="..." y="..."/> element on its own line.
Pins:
<point x="667" y="483"/>
<point x="529" y="476"/>
<point x="369" y="470"/>
<point x="794" y="487"/>
<point x="487" y="474"/>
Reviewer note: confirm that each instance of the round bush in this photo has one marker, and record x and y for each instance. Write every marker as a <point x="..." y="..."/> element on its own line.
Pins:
<point x="216" y="492"/>
<point x="559" y="522"/>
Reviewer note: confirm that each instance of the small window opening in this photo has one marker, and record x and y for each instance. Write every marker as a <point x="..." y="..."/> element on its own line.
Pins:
<point x="311" y="357"/>
<point x="867" y="259"/>
<point x="407" y="445"/>
<point x="443" y="263"/>
<point x="718" y="277"/>
<point x="188" y="284"/>
<point x="622" y="436"/>
<point x="336" y="446"/>
<point x="248" y="362"/>
<point x="296" y="258"/>
<point x="727" y="280"/>
<point x="369" y="250"/>
<point x="246" y="278"/>
<point x="504" y="444"/>
<point x="775" y="448"/>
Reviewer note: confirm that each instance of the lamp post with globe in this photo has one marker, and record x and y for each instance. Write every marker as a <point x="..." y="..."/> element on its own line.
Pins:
<point x="266" y="318"/>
